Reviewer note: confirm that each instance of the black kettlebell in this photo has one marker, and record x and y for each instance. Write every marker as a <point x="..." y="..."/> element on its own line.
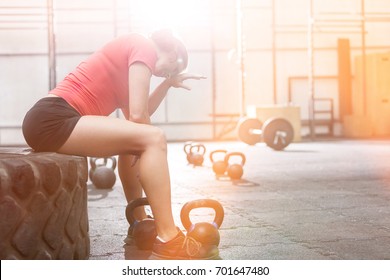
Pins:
<point x="101" y="175"/>
<point x="197" y="152"/>
<point x="187" y="146"/>
<point x="235" y="170"/>
<point x="144" y="232"/>
<point x="206" y="233"/>
<point x="219" y="166"/>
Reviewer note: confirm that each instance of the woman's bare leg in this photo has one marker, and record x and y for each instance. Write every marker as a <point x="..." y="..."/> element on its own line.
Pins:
<point x="128" y="173"/>
<point x="98" y="136"/>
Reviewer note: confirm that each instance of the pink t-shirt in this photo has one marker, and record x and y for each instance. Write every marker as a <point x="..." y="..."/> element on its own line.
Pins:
<point x="99" y="85"/>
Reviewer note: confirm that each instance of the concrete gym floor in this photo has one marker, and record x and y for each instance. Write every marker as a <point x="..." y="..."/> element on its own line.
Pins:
<point x="315" y="200"/>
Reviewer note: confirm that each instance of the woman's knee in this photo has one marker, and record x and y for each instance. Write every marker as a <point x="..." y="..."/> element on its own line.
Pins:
<point x="157" y="138"/>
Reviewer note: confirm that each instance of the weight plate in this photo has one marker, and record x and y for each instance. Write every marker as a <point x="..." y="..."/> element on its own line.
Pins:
<point x="278" y="133"/>
<point x="244" y="128"/>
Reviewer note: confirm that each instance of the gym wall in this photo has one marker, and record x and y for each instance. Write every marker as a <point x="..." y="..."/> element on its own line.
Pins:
<point x="209" y="29"/>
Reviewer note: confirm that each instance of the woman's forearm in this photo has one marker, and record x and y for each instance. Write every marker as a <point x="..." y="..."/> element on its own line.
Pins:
<point x="158" y="95"/>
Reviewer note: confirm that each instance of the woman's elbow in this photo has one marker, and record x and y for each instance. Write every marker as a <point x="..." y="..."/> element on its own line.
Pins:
<point x="139" y="118"/>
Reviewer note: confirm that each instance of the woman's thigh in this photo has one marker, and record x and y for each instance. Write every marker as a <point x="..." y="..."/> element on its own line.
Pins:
<point x="106" y="136"/>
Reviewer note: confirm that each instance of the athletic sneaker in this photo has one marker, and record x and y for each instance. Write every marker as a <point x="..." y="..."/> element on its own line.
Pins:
<point x="183" y="248"/>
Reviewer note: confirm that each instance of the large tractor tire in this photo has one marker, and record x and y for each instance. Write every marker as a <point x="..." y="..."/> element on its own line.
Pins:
<point x="43" y="206"/>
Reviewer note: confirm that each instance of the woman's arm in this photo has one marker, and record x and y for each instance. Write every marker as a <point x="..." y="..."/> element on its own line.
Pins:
<point x="139" y="86"/>
<point x="161" y="91"/>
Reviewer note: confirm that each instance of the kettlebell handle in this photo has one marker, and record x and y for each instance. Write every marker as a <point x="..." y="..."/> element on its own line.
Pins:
<point x="201" y="203"/>
<point x="243" y="158"/>
<point x="113" y="162"/>
<point x="186" y="147"/>
<point x="93" y="161"/>
<point x="132" y="205"/>
<point x="215" y="152"/>
<point x="199" y="147"/>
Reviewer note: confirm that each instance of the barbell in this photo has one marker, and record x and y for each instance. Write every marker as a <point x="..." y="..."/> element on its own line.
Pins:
<point x="277" y="133"/>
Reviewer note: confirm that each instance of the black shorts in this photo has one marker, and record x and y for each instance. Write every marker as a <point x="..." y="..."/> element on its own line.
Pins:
<point x="49" y="123"/>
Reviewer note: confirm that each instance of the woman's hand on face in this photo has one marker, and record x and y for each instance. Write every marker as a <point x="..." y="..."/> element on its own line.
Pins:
<point x="177" y="81"/>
